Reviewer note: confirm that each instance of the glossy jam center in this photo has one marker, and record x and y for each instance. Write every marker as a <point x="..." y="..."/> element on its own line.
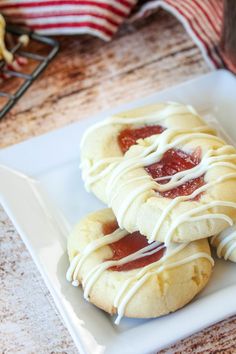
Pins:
<point x="173" y="161"/>
<point x="129" y="137"/>
<point x="128" y="245"/>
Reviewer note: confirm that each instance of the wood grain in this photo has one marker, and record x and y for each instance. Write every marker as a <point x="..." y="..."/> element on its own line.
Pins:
<point x="86" y="77"/>
<point x="89" y="75"/>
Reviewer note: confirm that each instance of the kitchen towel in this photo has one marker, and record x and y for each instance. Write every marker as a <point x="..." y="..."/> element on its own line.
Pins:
<point x="202" y="19"/>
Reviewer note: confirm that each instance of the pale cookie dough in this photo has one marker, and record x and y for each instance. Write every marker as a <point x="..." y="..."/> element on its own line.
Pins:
<point x="152" y="291"/>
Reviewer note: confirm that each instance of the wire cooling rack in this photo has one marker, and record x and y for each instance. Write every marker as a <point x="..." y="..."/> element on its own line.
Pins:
<point x="42" y="61"/>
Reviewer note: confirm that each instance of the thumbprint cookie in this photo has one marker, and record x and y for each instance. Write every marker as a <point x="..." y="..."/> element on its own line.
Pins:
<point x="124" y="275"/>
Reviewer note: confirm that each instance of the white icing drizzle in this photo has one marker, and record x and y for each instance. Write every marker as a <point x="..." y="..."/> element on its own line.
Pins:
<point x="145" y="178"/>
<point x="225" y="242"/>
<point x="91" y="173"/>
<point x="196" y="210"/>
<point x="154" y="153"/>
<point x="145" y="187"/>
<point x="78" y="260"/>
<point x="94" y="274"/>
<point x="187" y="217"/>
<point x="71" y="270"/>
<point x="87" y="172"/>
<point x="184" y="217"/>
<point x="230" y="249"/>
<point x="135" y="281"/>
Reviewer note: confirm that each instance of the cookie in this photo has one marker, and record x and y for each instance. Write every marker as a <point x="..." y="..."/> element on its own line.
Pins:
<point x="104" y="144"/>
<point x="122" y="274"/>
<point x="177" y="185"/>
<point x="225" y="244"/>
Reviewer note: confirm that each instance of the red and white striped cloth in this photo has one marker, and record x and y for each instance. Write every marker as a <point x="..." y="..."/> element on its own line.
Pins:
<point x="202" y="19"/>
<point x="52" y="17"/>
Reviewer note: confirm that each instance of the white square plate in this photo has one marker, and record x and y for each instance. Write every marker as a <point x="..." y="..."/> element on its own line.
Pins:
<point x="44" y="207"/>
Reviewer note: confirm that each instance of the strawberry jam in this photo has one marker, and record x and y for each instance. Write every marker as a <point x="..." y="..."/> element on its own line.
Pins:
<point x="129" y="137"/>
<point x="173" y="161"/>
<point x="128" y="245"/>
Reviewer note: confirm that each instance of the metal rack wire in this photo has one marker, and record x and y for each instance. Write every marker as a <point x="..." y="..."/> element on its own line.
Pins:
<point x="42" y="60"/>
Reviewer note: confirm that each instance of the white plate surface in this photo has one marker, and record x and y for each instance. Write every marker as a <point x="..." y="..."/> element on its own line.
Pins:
<point x="45" y="206"/>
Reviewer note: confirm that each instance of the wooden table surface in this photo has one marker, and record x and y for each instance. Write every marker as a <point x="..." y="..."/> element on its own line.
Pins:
<point x="86" y="77"/>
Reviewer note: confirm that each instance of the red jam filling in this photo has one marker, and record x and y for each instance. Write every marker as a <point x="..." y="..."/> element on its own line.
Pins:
<point x="128" y="245"/>
<point x="173" y="161"/>
<point x="129" y="137"/>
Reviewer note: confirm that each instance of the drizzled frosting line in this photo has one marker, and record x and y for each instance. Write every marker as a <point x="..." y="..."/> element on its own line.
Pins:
<point x="78" y="260"/>
<point x="225" y="242"/>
